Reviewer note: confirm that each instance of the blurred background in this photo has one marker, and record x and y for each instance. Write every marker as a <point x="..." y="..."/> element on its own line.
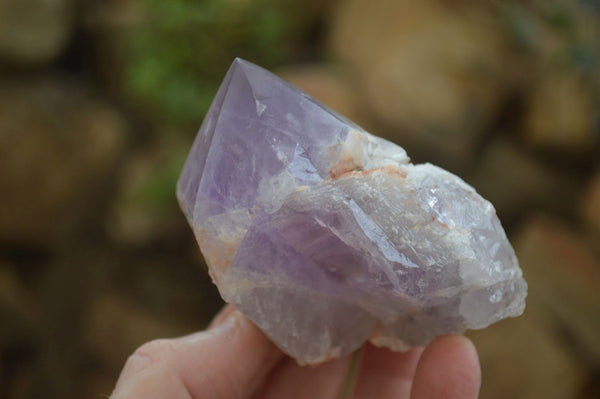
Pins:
<point x="100" y="101"/>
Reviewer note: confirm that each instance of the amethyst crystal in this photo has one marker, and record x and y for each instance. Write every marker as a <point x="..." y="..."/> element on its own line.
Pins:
<point x="326" y="236"/>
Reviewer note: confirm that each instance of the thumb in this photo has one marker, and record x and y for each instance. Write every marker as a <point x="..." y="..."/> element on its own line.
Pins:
<point x="230" y="360"/>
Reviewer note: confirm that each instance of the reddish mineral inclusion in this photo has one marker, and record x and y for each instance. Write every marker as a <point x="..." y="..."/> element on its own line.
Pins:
<point x="327" y="236"/>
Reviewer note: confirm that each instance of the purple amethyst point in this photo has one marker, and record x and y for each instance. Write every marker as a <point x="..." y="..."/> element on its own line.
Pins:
<point x="327" y="236"/>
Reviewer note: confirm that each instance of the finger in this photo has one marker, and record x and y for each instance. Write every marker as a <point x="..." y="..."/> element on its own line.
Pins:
<point x="289" y="380"/>
<point x="385" y="374"/>
<point x="222" y="315"/>
<point x="230" y="360"/>
<point x="448" y="368"/>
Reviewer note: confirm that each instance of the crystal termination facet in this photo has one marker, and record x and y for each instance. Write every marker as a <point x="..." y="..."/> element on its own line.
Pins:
<point x="327" y="236"/>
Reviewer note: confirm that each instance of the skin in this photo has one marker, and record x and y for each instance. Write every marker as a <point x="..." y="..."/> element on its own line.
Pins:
<point x="233" y="359"/>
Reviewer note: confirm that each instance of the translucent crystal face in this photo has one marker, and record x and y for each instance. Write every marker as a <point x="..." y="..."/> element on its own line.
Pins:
<point x="326" y="236"/>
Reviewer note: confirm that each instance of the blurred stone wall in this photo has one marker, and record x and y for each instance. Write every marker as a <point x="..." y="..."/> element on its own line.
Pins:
<point x="100" y="100"/>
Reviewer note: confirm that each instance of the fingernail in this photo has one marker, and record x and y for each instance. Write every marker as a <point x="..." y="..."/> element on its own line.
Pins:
<point x="226" y="324"/>
<point x="221" y="316"/>
<point x="225" y="327"/>
<point x="229" y="326"/>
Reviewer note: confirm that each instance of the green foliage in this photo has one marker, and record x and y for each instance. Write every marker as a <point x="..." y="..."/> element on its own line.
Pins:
<point x="184" y="47"/>
<point x="565" y="25"/>
<point x="519" y="22"/>
<point x="159" y="188"/>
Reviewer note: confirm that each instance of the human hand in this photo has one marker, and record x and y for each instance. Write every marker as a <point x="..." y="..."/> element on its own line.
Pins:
<point x="233" y="359"/>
